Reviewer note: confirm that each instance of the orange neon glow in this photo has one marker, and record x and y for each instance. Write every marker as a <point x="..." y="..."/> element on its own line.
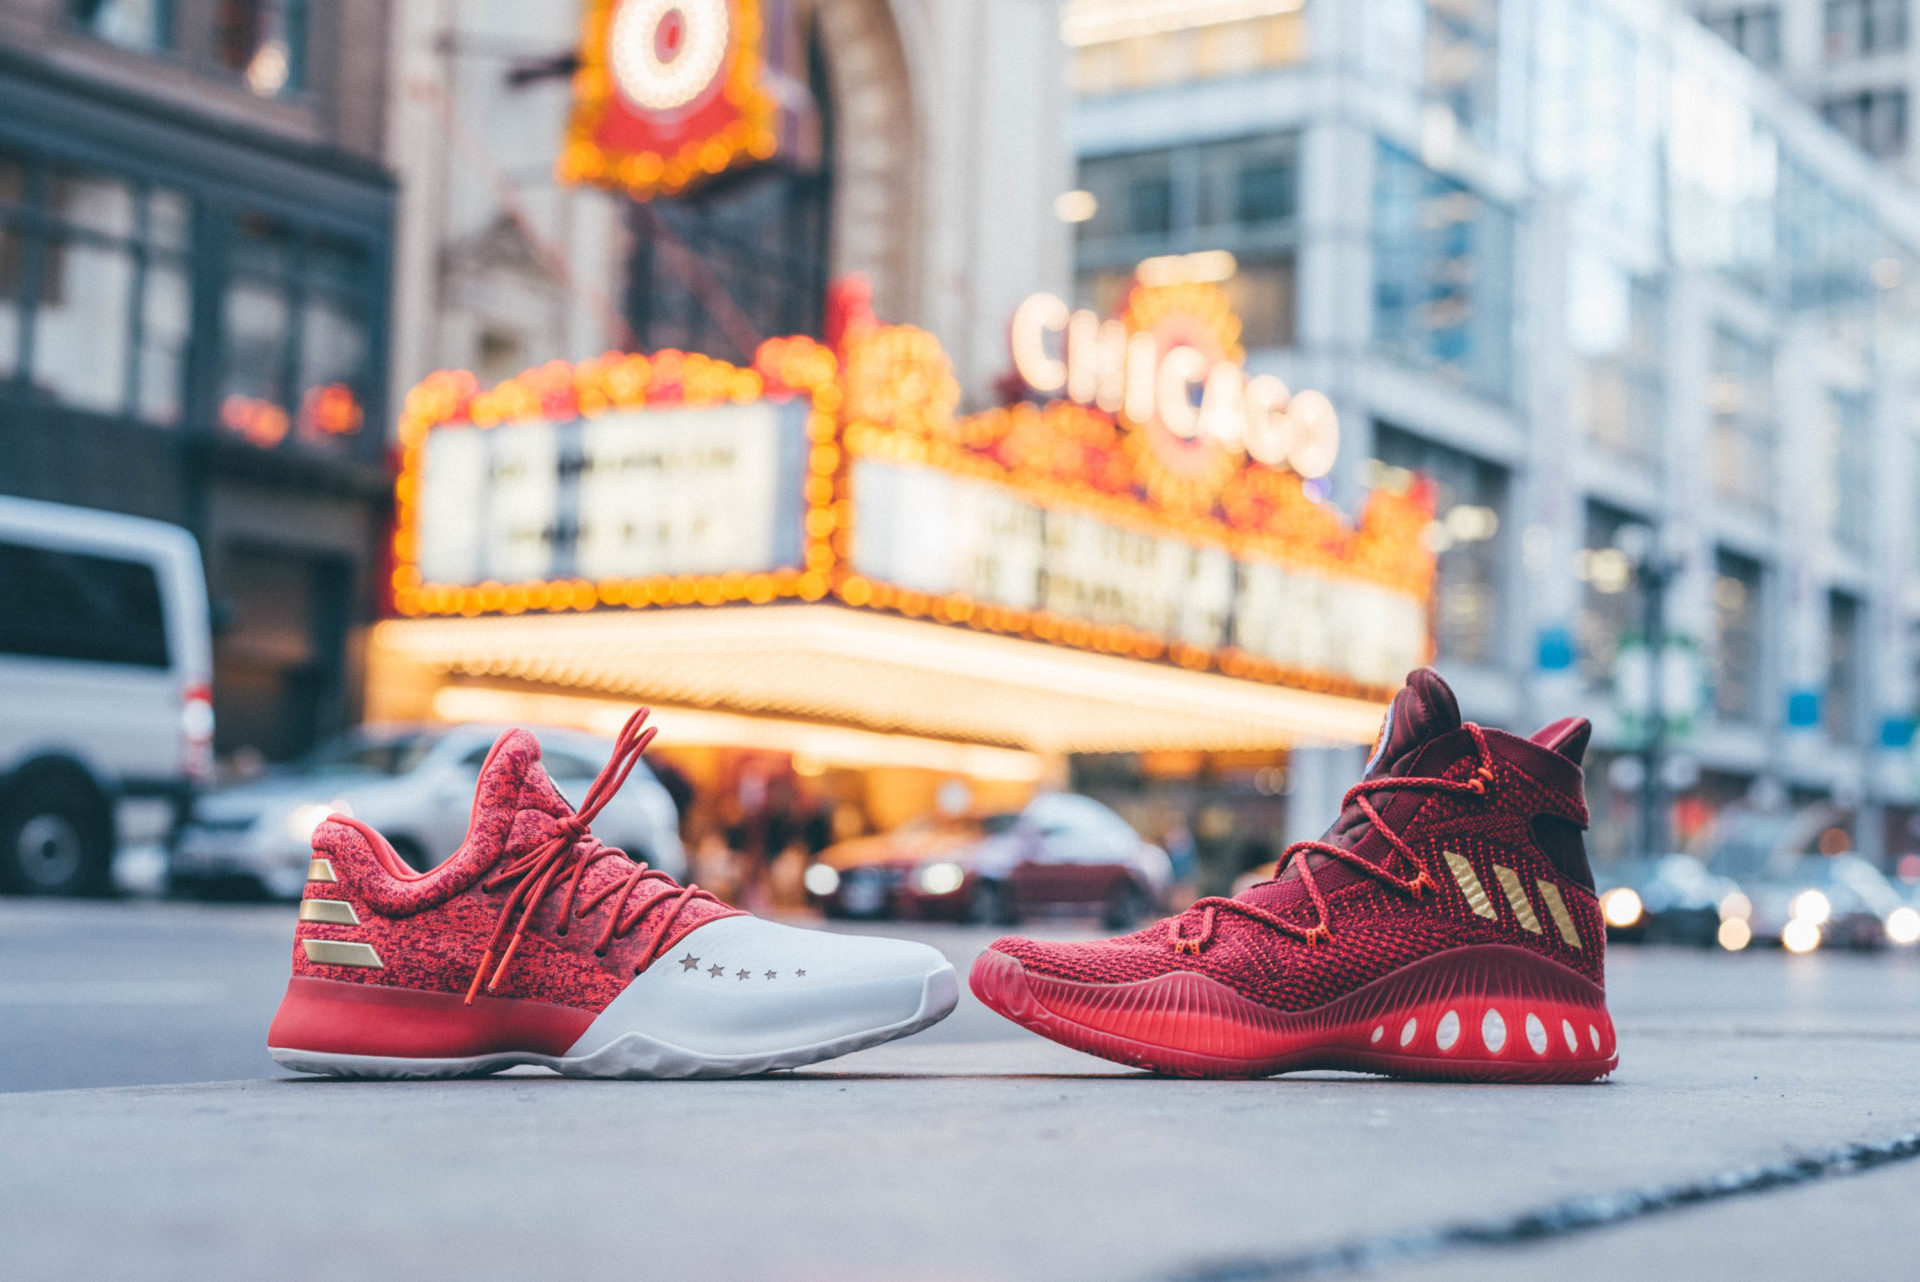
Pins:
<point x="890" y="394"/>
<point x="614" y="142"/>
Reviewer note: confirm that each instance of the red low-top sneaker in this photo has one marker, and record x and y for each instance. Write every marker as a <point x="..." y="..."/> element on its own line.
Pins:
<point x="1445" y="927"/>
<point x="535" y="944"/>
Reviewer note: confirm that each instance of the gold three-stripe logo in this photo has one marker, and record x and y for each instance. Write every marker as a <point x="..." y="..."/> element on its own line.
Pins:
<point x="1516" y="896"/>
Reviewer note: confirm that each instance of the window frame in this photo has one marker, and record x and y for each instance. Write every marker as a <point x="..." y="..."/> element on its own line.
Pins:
<point x="40" y="229"/>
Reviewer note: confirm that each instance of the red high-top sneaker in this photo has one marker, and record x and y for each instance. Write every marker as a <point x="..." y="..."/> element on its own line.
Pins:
<point x="1445" y="927"/>
<point x="535" y="944"/>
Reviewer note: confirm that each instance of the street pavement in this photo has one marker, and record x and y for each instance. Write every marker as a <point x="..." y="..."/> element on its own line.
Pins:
<point x="1759" y="1127"/>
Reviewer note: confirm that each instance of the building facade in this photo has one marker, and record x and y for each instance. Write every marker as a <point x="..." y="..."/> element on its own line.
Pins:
<point x="1850" y="60"/>
<point x="1637" y="311"/>
<point x="933" y="154"/>
<point x="195" y="239"/>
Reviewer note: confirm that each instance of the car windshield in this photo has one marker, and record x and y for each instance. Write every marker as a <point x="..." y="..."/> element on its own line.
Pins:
<point x="364" y="754"/>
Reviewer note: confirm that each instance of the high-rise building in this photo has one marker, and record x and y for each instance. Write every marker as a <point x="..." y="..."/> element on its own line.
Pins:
<point x="1638" y="311"/>
<point x="1848" y="59"/>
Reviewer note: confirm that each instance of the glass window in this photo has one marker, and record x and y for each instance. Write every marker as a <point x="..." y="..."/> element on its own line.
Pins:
<point x="264" y="41"/>
<point x="297" y="347"/>
<point x="82" y="321"/>
<point x="1262" y="293"/>
<point x="1741" y="394"/>
<point x="1754" y="31"/>
<point x="1857" y="28"/>
<point x="1609" y="605"/>
<point x="1110" y="60"/>
<point x="334" y="344"/>
<point x="93" y="273"/>
<point x="1443" y="275"/>
<point x="1841" y="493"/>
<point x="1843" y="668"/>
<point x="1616" y="323"/>
<point x="1736" y="637"/>
<point x="1874" y="119"/>
<point x="1467" y="534"/>
<point x="1461" y="64"/>
<point x="1238" y="195"/>
<point x="68" y="605"/>
<point x="131" y="24"/>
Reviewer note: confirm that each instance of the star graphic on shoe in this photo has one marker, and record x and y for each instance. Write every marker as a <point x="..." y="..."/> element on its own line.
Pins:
<point x="745" y="975"/>
<point x="689" y="962"/>
<point x="772" y="973"/>
<point x="799" y="974"/>
<point x="715" y="971"/>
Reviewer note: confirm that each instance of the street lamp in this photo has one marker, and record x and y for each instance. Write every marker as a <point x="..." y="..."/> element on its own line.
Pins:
<point x="1654" y="570"/>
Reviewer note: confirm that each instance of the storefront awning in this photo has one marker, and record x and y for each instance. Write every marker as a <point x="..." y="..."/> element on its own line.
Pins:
<point x="829" y="665"/>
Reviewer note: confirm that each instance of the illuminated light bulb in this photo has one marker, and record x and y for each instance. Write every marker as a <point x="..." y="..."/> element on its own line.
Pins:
<point x="1318" y="444"/>
<point x="1811" y="907"/>
<point x="1143" y="362"/>
<point x="1734" y="934"/>
<point x="1180" y="369"/>
<point x="1903" y="926"/>
<point x="1037" y="316"/>
<point x="657" y="79"/>
<point x="1800" y="936"/>
<point x="1621" y="906"/>
<point x="1735" y="904"/>
<point x="1270" y="432"/>
<point x="1083" y="358"/>
<point x="1111" y="365"/>
<point x="1223" y="413"/>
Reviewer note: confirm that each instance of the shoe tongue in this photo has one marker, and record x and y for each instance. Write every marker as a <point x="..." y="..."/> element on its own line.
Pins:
<point x="1424" y="710"/>
<point x="512" y="779"/>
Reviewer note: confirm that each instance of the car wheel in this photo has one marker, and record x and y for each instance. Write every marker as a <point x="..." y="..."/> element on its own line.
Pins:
<point x="410" y="852"/>
<point x="55" y="840"/>
<point x="1125" y="906"/>
<point x="991" y="906"/>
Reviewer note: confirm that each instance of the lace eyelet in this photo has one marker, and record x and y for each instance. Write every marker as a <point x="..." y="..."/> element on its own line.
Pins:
<point x="599" y="952"/>
<point x="561" y="931"/>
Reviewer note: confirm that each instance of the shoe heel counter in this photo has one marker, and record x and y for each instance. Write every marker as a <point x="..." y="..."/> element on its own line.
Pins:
<point x="327" y="940"/>
<point x="1562" y="844"/>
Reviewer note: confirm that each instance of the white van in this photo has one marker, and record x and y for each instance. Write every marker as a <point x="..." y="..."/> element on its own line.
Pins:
<point x="106" y="664"/>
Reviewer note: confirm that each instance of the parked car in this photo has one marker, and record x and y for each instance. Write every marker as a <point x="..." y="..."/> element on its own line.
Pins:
<point x="1672" y="899"/>
<point x="106" y="664"/>
<point x="1062" y="853"/>
<point x="1833" y="901"/>
<point x="415" y="784"/>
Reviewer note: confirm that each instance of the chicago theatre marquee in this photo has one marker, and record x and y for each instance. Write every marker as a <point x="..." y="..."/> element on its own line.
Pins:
<point x="816" y="553"/>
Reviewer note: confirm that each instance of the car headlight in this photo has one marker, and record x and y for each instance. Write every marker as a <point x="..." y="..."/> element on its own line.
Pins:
<point x="942" y="878"/>
<point x="303" y="819"/>
<point x="821" y="879"/>
<point x="1734" y="934"/>
<point x="1811" y="907"/>
<point x="1903" y="926"/>
<point x="1621" y="906"/>
<point x="1800" y="936"/>
<point x="1735" y="906"/>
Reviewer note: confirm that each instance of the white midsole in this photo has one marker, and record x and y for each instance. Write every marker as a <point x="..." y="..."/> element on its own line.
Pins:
<point x="636" y="1054"/>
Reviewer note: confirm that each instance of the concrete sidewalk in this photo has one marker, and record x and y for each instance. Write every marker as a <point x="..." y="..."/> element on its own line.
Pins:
<point x="987" y="1160"/>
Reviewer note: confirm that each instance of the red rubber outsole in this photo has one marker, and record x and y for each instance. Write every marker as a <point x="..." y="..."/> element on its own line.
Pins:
<point x="1489" y="1013"/>
<point x="340" y="1017"/>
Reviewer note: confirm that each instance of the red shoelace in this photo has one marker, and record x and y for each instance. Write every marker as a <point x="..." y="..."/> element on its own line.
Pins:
<point x="536" y="872"/>
<point x="1480" y="785"/>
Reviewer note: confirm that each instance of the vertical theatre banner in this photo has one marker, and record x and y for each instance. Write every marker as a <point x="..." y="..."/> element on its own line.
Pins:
<point x="669" y="92"/>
